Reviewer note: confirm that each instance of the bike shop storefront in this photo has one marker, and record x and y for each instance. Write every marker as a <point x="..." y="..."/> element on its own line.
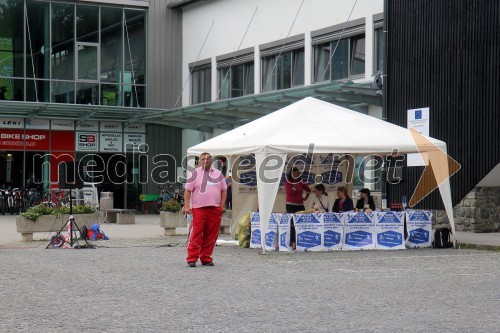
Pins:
<point x="104" y="153"/>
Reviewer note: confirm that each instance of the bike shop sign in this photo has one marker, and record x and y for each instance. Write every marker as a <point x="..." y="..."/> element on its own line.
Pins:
<point x="12" y="139"/>
<point x="86" y="141"/>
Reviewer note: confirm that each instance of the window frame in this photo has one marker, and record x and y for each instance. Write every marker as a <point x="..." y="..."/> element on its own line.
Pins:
<point x="279" y="76"/>
<point x="247" y="87"/>
<point x="207" y="82"/>
<point x="334" y="45"/>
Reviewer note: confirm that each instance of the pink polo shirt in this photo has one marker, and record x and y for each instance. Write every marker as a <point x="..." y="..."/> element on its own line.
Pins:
<point x="206" y="187"/>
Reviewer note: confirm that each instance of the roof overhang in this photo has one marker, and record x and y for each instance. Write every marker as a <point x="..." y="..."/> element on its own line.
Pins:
<point x="223" y="114"/>
<point x="231" y="113"/>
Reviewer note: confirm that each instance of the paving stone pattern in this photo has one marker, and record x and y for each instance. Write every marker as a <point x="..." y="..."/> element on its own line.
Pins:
<point x="144" y="286"/>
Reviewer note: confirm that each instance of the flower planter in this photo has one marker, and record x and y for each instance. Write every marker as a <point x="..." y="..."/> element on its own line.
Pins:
<point x="176" y="223"/>
<point x="51" y="223"/>
<point x="171" y="221"/>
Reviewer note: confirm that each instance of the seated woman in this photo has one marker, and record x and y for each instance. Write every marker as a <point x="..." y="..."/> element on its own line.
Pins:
<point x="344" y="202"/>
<point x="365" y="199"/>
<point x="321" y="202"/>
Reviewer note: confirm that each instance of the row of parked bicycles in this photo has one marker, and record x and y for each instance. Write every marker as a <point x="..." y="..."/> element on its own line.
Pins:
<point x="18" y="200"/>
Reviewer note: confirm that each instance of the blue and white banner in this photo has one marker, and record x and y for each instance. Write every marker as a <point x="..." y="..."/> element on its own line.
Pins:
<point x="284" y="230"/>
<point x="359" y="230"/>
<point x="309" y="231"/>
<point x="333" y="234"/>
<point x="389" y="230"/>
<point x="255" y="242"/>
<point x="419" y="227"/>
<point x="272" y="233"/>
<point x="256" y="233"/>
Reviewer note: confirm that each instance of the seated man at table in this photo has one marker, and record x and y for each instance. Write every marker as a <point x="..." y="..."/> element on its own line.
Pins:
<point x="365" y="199"/>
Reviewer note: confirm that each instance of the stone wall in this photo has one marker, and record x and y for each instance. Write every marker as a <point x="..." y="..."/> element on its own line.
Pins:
<point x="479" y="211"/>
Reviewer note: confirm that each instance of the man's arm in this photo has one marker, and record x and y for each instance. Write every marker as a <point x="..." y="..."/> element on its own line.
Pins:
<point x="187" y="202"/>
<point x="223" y="197"/>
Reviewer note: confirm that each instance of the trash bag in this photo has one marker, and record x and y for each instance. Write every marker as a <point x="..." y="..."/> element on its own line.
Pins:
<point x="244" y="231"/>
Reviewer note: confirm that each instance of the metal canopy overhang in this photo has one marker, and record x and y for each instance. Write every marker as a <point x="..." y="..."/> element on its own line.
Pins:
<point x="224" y="114"/>
<point x="230" y="113"/>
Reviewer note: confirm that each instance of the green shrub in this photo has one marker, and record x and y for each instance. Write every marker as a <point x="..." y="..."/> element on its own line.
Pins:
<point x="35" y="212"/>
<point x="171" y="206"/>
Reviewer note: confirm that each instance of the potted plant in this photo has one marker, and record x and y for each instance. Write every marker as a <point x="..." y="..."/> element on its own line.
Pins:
<point x="171" y="205"/>
<point x="172" y="217"/>
<point x="42" y="218"/>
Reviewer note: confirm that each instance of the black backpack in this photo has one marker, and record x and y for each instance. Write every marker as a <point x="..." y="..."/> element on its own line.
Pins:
<point x="84" y="232"/>
<point x="442" y="238"/>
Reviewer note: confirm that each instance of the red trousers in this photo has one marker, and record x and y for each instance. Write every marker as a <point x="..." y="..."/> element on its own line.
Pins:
<point x="204" y="232"/>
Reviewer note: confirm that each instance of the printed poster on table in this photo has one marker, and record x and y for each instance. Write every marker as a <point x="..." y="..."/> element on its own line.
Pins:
<point x="359" y="231"/>
<point x="256" y="234"/>
<point x="271" y="234"/>
<point x="309" y="232"/>
<point x="255" y="242"/>
<point x="419" y="227"/>
<point x="284" y="230"/>
<point x="333" y="224"/>
<point x="389" y="230"/>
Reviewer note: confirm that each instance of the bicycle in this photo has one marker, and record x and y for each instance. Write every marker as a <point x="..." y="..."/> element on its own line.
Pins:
<point x="4" y="205"/>
<point x="91" y="198"/>
<point x="166" y="194"/>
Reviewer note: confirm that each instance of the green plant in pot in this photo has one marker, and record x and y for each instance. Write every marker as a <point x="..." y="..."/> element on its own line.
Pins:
<point x="171" y="205"/>
<point x="35" y="212"/>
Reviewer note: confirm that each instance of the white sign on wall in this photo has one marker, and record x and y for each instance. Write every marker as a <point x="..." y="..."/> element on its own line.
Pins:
<point x="67" y="125"/>
<point x="418" y="119"/>
<point x="110" y="126"/>
<point x="134" y="142"/>
<point x="88" y="126"/>
<point x="11" y="123"/>
<point x="86" y="141"/>
<point x="38" y="124"/>
<point x="111" y="142"/>
<point x="136" y="128"/>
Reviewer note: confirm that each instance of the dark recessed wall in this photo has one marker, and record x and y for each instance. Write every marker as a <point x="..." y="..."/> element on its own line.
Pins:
<point x="445" y="55"/>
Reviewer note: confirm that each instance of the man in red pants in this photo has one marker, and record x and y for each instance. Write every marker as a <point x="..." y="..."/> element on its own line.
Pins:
<point x="204" y="197"/>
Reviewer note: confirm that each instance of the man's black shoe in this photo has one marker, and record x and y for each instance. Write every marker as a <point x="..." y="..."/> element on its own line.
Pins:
<point x="192" y="264"/>
<point x="211" y="263"/>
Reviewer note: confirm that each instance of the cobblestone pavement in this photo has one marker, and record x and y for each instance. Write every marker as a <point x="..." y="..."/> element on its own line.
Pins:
<point x="144" y="286"/>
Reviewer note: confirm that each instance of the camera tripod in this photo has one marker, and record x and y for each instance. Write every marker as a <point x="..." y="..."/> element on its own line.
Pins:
<point x="59" y="240"/>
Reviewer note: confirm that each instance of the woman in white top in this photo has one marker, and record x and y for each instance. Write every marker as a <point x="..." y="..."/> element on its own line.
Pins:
<point x="321" y="202"/>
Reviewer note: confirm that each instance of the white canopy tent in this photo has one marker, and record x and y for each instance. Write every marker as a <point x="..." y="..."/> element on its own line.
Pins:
<point x="330" y="128"/>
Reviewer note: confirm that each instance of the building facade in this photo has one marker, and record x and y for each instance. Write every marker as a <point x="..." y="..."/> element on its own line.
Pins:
<point x="83" y="81"/>
<point x="74" y="78"/>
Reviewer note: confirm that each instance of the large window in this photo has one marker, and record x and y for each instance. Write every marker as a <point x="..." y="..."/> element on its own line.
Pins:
<point x="283" y="70"/>
<point x="72" y="53"/>
<point x="379" y="50"/>
<point x="236" y="80"/>
<point x="339" y="59"/>
<point x="201" y="84"/>
<point x="11" y="49"/>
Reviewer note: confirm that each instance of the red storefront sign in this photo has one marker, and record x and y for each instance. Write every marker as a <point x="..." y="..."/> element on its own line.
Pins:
<point x="15" y="139"/>
<point x="63" y="141"/>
